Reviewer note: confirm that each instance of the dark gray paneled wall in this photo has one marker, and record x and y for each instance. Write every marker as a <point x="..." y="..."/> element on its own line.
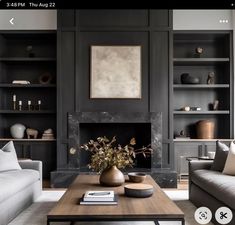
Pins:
<point x="78" y="30"/>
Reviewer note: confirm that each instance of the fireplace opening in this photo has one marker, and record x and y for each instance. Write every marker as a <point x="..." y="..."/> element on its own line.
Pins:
<point x="123" y="132"/>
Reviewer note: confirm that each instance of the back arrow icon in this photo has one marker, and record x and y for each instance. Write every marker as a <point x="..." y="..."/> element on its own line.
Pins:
<point x="11" y="20"/>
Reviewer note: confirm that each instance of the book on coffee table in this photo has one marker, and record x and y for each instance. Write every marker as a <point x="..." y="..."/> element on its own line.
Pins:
<point x="106" y="195"/>
<point x="99" y="202"/>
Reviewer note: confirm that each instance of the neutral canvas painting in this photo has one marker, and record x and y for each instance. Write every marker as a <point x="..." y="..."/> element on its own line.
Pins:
<point x="115" y="72"/>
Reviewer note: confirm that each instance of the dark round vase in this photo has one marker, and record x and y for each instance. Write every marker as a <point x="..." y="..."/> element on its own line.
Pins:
<point x="188" y="79"/>
<point x="112" y="177"/>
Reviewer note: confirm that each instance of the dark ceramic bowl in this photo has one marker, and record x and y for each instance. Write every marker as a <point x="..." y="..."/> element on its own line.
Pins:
<point x="136" y="177"/>
<point x="138" y="190"/>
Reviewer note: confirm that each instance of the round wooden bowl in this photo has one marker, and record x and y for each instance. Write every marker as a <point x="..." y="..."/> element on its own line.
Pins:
<point x="136" y="177"/>
<point x="138" y="190"/>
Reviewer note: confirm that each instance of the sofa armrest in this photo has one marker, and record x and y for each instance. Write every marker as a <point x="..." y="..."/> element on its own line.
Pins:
<point x="199" y="165"/>
<point x="33" y="165"/>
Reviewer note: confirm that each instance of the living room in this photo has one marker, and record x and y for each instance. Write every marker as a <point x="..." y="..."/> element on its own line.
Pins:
<point x="138" y="103"/>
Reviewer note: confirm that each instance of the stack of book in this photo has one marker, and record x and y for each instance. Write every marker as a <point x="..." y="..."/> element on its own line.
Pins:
<point x="105" y="197"/>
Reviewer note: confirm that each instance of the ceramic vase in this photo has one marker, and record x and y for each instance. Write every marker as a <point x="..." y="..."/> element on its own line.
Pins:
<point x="112" y="177"/>
<point x="17" y="130"/>
<point x="205" y="129"/>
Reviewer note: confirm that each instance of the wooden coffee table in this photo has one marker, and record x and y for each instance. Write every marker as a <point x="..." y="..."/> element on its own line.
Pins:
<point x="158" y="207"/>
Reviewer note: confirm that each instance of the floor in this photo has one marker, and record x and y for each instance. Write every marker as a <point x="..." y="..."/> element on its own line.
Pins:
<point x="182" y="184"/>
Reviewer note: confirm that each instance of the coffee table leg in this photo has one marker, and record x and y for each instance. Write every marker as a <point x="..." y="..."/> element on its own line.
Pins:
<point x="72" y="223"/>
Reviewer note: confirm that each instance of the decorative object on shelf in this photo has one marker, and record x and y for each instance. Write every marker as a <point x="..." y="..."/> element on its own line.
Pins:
<point x="211" y="78"/>
<point x="31" y="132"/>
<point x="138" y="190"/>
<point x="14" y="102"/>
<point x="20" y="82"/>
<point x="190" y="108"/>
<point x="195" y="108"/>
<point x="38" y="106"/>
<point x="216" y="105"/>
<point x="108" y="158"/>
<point x="186" y="108"/>
<point x="45" y="78"/>
<point x="205" y="129"/>
<point x="198" y="51"/>
<point x="182" y="135"/>
<point x="202" y="153"/>
<point x="48" y="134"/>
<point x="29" y="50"/>
<point x="211" y="155"/>
<point x="30" y="107"/>
<point x="188" y="79"/>
<point x="136" y="177"/>
<point x="115" y="72"/>
<point x="20" y="105"/>
<point x="17" y="130"/>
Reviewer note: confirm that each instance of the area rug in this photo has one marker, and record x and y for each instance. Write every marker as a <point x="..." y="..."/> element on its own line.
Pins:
<point x="36" y="213"/>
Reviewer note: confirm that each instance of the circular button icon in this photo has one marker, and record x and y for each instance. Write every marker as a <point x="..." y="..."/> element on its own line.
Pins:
<point x="223" y="215"/>
<point x="203" y="215"/>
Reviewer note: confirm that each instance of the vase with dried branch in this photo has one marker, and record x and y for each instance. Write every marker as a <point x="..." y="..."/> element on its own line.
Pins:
<point x="107" y="158"/>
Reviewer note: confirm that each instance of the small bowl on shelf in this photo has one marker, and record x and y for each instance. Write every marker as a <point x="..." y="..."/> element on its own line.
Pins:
<point x="136" y="177"/>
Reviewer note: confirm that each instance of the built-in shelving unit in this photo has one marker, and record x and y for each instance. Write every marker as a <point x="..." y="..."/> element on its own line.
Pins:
<point x="27" y="55"/>
<point x="217" y="58"/>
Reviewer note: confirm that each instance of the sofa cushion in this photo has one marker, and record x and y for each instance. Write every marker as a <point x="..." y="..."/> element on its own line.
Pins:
<point x="229" y="167"/>
<point x="14" y="181"/>
<point x="220" y="156"/>
<point x="216" y="184"/>
<point x="8" y="158"/>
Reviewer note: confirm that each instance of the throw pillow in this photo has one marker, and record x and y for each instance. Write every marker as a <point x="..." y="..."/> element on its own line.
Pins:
<point x="8" y="158"/>
<point x="229" y="167"/>
<point x="220" y="156"/>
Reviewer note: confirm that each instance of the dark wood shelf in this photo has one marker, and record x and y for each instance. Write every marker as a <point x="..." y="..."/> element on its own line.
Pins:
<point x="27" y="59"/>
<point x="199" y="61"/>
<point x="29" y="140"/>
<point x="27" y="112"/>
<point x="200" y="140"/>
<point x="200" y="86"/>
<point x="200" y="112"/>
<point x="5" y="85"/>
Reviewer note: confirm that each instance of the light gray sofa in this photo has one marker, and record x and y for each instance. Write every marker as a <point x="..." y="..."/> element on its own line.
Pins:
<point x="19" y="188"/>
<point x="211" y="188"/>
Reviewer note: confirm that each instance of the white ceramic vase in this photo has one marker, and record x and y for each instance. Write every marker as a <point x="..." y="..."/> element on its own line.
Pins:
<point x="17" y="130"/>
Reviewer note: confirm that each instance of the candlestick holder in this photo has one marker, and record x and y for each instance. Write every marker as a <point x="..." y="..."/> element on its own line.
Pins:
<point x="14" y="102"/>
<point x="20" y="105"/>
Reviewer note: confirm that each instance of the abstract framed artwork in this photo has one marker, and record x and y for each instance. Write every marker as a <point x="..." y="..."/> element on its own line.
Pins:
<point x="115" y="72"/>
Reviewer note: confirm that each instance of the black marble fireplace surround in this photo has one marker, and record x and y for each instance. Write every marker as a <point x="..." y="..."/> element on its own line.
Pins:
<point x="145" y="127"/>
